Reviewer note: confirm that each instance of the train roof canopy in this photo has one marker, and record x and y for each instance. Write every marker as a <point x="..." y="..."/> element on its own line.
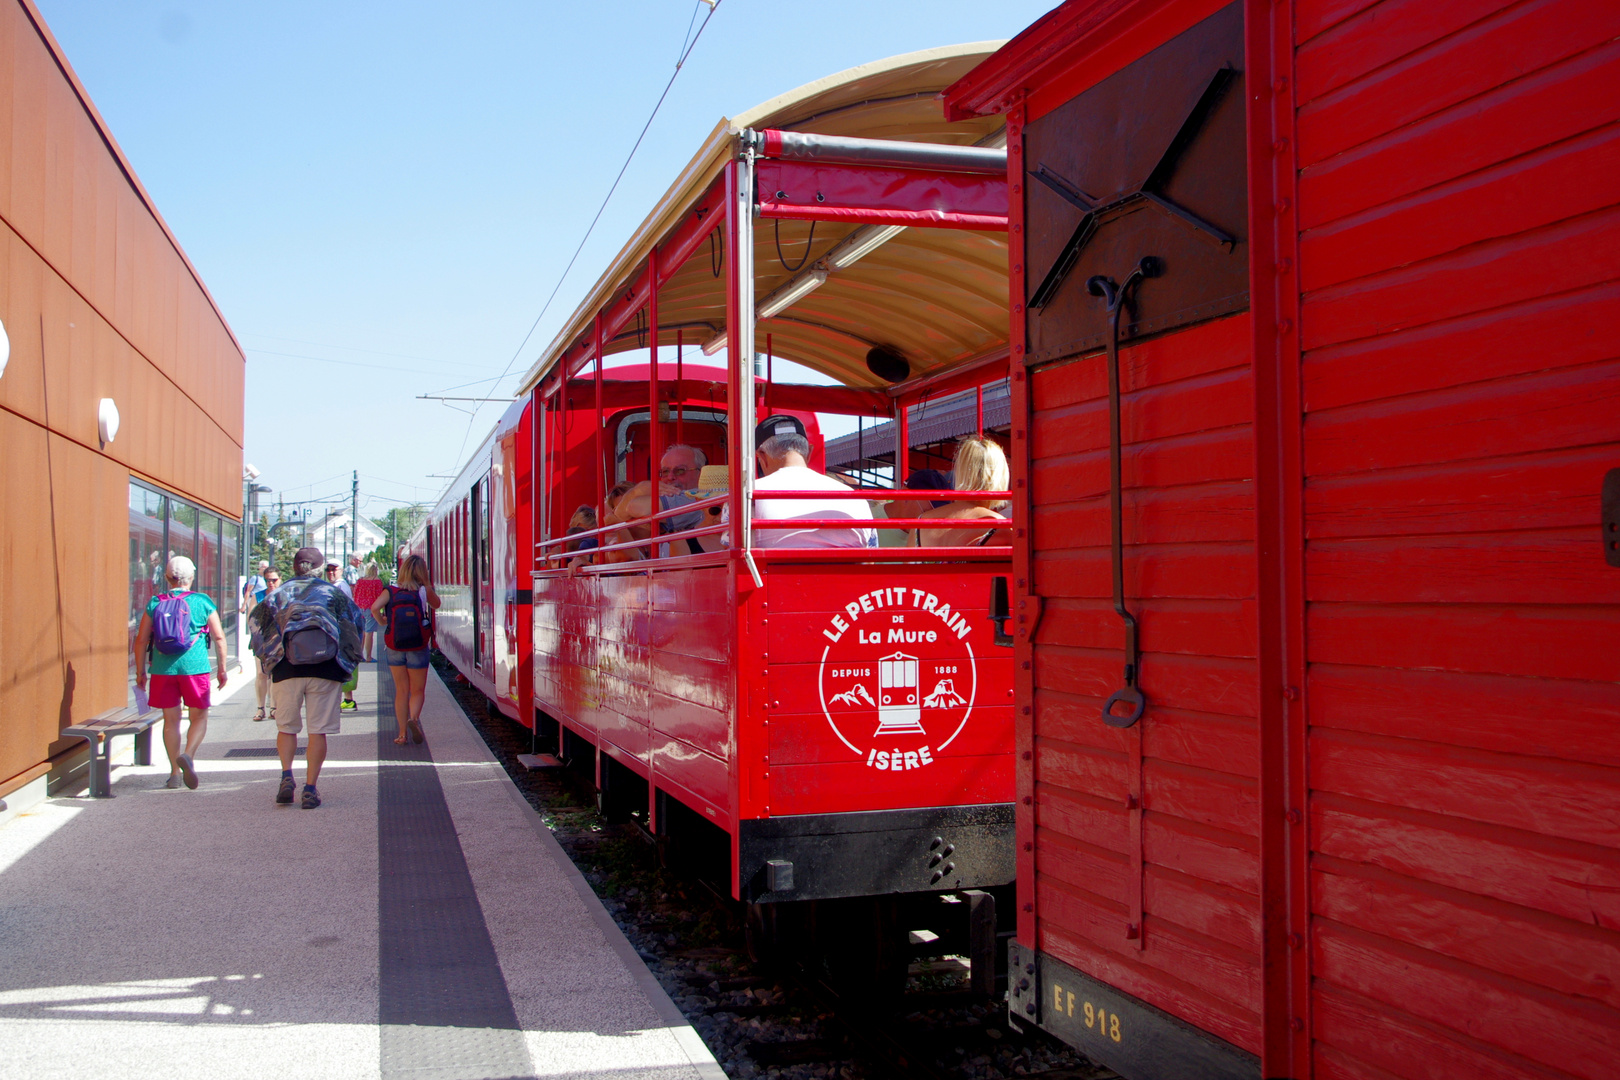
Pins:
<point x="937" y="295"/>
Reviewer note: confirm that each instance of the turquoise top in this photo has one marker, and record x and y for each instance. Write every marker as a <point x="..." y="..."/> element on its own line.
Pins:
<point x="194" y="661"/>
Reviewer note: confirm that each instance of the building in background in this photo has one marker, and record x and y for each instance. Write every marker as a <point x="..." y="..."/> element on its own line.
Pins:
<point x="121" y="411"/>
<point x="335" y="534"/>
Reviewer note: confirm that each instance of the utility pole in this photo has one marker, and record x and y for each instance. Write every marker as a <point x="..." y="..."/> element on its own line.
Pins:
<point x="354" y="514"/>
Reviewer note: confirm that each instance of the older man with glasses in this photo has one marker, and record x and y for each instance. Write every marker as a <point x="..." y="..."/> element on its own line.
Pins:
<point x="678" y="472"/>
<point x="680" y="466"/>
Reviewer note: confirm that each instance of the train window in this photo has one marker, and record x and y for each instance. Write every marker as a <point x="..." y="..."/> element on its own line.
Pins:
<point x="484" y="508"/>
<point x="704" y="429"/>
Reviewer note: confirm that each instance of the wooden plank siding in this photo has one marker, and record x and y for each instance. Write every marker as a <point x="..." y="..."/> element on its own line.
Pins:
<point x="1458" y="217"/>
<point x="1190" y="576"/>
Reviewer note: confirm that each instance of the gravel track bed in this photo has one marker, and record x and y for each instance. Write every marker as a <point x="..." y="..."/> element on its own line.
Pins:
<point x="692" y="940"/>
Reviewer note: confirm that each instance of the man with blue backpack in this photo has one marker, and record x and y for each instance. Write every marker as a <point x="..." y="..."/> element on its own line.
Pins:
<point x="309" y="641"/>
<point x="175" y="630"/>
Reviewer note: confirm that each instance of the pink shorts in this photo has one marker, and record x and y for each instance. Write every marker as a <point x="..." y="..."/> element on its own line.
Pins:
<point x="168" y="691"/>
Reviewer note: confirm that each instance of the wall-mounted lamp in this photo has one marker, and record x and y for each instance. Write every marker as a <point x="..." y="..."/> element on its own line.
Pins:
<point x="5" y="350"/>
<point x="107" y="420"/>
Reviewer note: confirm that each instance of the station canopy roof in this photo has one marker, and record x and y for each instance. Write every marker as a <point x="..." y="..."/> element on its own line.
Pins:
<point x="938" y="295"/>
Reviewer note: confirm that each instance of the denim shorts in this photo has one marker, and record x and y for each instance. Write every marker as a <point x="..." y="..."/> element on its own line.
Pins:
<point x="370" y="625"/>
<point x="414" y="658"/>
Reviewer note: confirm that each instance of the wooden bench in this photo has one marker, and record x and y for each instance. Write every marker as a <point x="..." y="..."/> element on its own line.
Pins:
<point x="99" y="731"/>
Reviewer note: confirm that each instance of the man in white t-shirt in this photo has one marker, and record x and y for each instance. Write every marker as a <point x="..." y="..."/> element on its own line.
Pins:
<point x="782" y="454"/>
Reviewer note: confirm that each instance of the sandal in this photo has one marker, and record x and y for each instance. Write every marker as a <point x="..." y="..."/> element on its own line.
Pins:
<point x="259" y="715"/>
<point x="401" y="741"/>
<point x="415" y="728"/>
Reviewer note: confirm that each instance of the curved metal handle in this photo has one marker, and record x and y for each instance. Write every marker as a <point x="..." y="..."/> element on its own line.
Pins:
<point x="1131" y="696"/>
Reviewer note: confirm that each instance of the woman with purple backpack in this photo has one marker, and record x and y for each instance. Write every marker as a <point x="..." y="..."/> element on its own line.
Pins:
<point x="176" y="629"/>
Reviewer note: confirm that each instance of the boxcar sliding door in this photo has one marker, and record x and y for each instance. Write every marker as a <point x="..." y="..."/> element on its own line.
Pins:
<point x="1143" y="853"/>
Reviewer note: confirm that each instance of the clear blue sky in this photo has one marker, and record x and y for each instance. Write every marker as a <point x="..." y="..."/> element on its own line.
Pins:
<point x="381" y="195"/>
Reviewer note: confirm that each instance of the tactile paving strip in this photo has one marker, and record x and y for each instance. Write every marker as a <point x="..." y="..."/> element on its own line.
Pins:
<point x="443" y="1006"/>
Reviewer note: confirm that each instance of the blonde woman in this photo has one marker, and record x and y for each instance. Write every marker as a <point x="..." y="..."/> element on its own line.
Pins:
<point x="980" y="466"/>
<point x="408" y="641"/>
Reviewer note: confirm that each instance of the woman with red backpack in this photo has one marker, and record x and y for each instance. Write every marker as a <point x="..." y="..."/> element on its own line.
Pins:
<point x="177" y="628"/>
<point x="405" y="613"/>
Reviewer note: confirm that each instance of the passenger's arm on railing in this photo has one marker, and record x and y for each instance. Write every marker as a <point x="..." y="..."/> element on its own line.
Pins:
<point x="545" y="548"/>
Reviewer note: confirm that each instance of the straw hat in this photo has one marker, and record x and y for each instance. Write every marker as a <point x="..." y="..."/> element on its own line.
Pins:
<point x="713" y="480"/>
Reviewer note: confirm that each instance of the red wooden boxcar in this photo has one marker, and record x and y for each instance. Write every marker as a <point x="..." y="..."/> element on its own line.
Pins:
<point x="1367" y="823"/>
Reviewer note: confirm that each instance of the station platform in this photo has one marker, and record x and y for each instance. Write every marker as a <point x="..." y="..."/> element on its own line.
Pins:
<point x="421" y="923"/>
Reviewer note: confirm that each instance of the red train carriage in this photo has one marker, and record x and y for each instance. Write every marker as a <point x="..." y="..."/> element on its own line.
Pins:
<point x="1318" y="736"/>
<point x="476" y="541"/>
<point x="834" y="721"/>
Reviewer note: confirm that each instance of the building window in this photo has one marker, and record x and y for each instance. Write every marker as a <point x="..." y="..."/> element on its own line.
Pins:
<point x="162" y="526"/>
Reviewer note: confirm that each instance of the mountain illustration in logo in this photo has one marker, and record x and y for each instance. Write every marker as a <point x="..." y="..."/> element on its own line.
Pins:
<point x="855" y="695"/>
<point x="944" y="696"/>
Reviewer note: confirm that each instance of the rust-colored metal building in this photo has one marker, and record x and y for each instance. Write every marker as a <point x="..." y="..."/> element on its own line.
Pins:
<point x="120" y="412"/>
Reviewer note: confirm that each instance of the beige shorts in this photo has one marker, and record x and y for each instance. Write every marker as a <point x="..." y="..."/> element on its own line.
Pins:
<point x="318" y="697"/>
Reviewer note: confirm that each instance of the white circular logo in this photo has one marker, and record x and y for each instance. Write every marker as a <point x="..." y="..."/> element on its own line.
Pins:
<point x="898" y="677"/>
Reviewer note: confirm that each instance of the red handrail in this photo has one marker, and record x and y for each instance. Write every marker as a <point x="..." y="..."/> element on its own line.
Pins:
<point x="891" y="495"/>
<point x="880" y="523"/>
<point x="674" y="511"/>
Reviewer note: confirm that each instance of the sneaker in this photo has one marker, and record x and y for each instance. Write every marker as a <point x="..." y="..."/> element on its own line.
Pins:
<point x="349" y="705"/>
<point x="188" y="772"/>
<point x="312" y="798"/>
<point x="285" y="794"/>
<point x="172" y="783"/>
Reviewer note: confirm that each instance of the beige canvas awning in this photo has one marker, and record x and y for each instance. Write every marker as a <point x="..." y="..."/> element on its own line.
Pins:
<point x="938" y="295"/>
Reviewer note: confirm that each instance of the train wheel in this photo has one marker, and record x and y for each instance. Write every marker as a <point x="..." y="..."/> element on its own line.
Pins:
<point x="864" y="947"/>
<point x="760" y="931"/>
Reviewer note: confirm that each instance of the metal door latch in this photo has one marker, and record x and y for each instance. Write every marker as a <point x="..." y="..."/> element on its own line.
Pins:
<point x="1116" y="296"/>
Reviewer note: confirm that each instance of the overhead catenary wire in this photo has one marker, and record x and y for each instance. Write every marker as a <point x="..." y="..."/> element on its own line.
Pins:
<point x="713" y="6"/>
<point x="368" y="352"/>
<point x="353" y="363"/>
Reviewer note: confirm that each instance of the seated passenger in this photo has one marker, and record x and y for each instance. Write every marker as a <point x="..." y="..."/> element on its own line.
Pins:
<point x="584" y="520"/>
<point x="980" y="466"/>
<point x="782" y="455"/>
<point x="919" y="480"/>
<point x="678" y="472"/>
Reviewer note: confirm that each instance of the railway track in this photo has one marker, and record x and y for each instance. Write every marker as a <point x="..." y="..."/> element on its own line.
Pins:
<point x="787" y="1024"/>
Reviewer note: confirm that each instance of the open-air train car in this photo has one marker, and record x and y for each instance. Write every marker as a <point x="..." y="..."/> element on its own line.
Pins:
<point x="742" y="697"/>
<point x="1355" y="810"/>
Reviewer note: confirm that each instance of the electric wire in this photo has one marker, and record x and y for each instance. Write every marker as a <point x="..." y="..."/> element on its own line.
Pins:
<point x="599" y="211"/>
<point x="808" y="244"/>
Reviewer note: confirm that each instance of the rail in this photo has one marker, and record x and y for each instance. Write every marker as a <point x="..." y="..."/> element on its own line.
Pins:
<point x="886" y="495"/>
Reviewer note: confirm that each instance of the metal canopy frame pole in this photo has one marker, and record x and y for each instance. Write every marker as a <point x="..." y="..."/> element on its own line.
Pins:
<point x="902" y="442"/>
<point x="601" y="464"/>
<point x="539" y="497"/>
<point x="653" y="431"/>
<point x="680" y="387"/>
<point x="740" y="323"/>
<point x="978" y="410"/>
